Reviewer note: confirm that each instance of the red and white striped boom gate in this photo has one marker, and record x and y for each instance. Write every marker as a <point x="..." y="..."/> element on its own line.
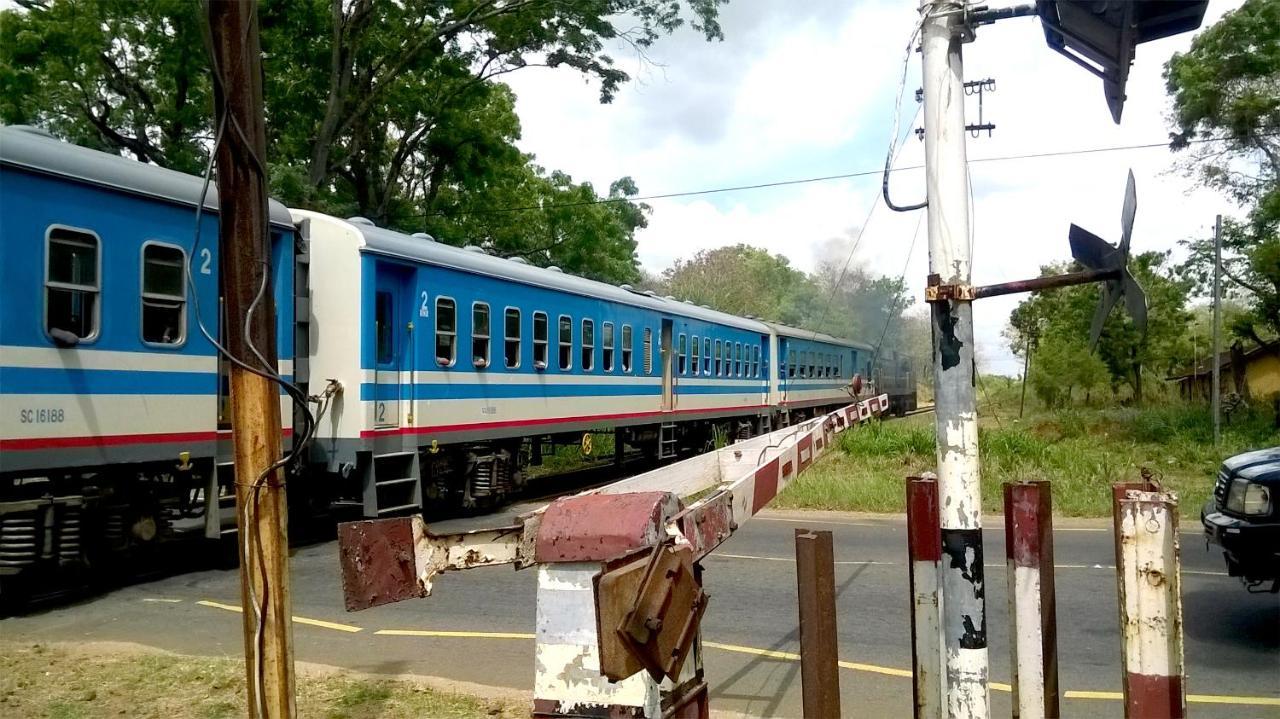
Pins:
<point x="620" y="595"/>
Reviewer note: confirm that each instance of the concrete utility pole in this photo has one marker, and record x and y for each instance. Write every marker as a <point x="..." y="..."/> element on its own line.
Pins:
<point x="964" y="616"/>
<point x="1216" y="392"/>
<point x="255" y="400"/>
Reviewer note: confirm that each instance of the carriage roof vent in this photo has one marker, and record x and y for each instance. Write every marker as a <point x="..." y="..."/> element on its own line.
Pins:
<point x="357" y="220"/>
<point x="475" y="248"/>
<point x="705" y="307"/>
<point x="650" y="293"/>
<point x="669" y="298"/>
<point x="423" y="236"/>
<point x="688" y="302"/>
<point x="628" y="288"/>
<point x="519" y="260"/>
<point x="555" y="268"/>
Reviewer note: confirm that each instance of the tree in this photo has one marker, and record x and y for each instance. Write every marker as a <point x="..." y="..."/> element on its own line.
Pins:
<point x="741" y="280"/>
<point x="388" y="110"/>
<point x="1067" y="313"/>
<point x="1062" y="365"/>
<point x="1226" y="99"/>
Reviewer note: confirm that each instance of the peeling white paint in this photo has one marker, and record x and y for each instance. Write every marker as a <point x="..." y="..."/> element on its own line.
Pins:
<point x="1150" y="587"/>
<point x="1028" y="642"/>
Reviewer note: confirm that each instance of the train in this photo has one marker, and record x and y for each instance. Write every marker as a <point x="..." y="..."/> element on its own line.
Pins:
<point x="436" y="374"/>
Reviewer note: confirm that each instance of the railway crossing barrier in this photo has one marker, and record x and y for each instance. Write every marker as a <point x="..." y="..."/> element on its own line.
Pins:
<point x="619" y="597"/>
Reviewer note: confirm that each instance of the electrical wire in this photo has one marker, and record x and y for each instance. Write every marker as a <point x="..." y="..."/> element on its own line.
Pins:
<point x="888" y="319"/>
<point x="801" y="181"/>
<point x="897" y="116"/>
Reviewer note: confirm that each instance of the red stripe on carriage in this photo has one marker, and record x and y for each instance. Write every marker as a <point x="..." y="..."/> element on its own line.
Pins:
<point x="766" y="485"/>
<point x="442" y="428"/>
<point x="116" y="440"/>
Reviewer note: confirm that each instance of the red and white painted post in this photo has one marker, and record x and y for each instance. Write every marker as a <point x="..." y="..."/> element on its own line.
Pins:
<point x="924" y="550"/>
<point x="1149" y="568"/>
<point x="1028" y="538"/>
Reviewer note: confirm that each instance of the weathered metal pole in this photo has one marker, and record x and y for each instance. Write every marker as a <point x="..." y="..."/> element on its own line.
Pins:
<point x="924" y="550"/>
<point x="1149" y="570"/>
<point x="819" y="657"/>
<point x="1028" y="537"/>
<point x="255" y="400"/>
<point x="1026" y="369"/>
<point x="1216" y="394"/>
<point x="964" y="612"/>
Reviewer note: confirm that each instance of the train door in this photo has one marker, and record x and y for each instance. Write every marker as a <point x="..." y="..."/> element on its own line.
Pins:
<point x="390" y="344"/>
<point x="668" y="364"/>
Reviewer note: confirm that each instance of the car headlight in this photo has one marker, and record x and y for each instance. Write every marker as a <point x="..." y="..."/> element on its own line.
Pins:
<point x="1248" y="498"/>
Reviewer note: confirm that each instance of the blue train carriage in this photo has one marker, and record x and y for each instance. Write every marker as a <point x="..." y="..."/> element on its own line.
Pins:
<point x="112" y="412"/>
<point x="817" y="372"/>
<point x="458" y="367"/>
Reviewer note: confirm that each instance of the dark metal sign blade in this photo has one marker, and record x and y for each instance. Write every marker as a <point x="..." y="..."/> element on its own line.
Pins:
<point x="1090" y="250"/>
<point x="1111" y="292"/>
<point x="1127" y="214"/>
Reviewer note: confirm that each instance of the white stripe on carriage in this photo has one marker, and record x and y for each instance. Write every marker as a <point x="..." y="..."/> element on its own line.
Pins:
<point x="499" y="376"/>
<point x="76" y="358"/>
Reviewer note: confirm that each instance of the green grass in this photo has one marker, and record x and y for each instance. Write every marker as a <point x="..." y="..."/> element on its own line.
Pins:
<point x="87" y="682"/>
<point x="1081" y="451"/>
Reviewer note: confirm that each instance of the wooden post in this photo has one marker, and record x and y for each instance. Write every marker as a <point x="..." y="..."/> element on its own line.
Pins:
<point x="819" y="668"/>
<point x="255" y="400"/>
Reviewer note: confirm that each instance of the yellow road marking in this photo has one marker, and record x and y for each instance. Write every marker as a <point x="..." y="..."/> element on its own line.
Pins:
<point x="161" y="600"/>
<point x="296" y="619"/>
<point x="726" y="555"/>
<point x="827" y="521"/>
<point x="442" y="633"/>
<point x="769" y="653"/>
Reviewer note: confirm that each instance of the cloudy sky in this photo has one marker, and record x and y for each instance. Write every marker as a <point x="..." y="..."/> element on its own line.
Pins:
<point x="799" y="90"/>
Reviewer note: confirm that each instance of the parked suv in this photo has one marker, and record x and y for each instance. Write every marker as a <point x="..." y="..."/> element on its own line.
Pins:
<point x="1244" y="517"/>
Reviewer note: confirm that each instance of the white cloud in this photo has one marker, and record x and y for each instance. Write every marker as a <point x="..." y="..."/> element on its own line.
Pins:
<point x="806" y="90"/>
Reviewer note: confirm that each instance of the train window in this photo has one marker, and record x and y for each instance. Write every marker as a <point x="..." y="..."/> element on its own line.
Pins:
<point x="706" y="355"/>
<point x="446" y="331"/>
<point x="737" y="362"/>
<point x="755" y="369"/>
<point x="540" y="330"/>
<point x="606" y="342"/>
<point x="384" y="351"/>
<point x="480" y="334"/>
<point x="164" y="299"/>
<point x="840" y="366"/>
<point x="566" y="342"/>
<point x="588" y="345"/>
<point x="696" y="363"/>
<point x="682" y="359"/>
<point x="812" y="366"/>
<point x="626" y="348"/>
<point x="71" y="283"/>
<point x="791" y="363"/>
<point x="512" y="333"/>
<point x="719" y="367"/>
<point x="648" y="350"/>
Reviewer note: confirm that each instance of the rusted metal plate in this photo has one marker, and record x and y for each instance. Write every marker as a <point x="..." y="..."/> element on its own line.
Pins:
<point x="602" y="527"/>
<point x="378" y="566"/>
<point x="663" y="622"/>
<point x="766" y="484"/>
<point x="707" y="523"/>
<point x="616" y="590"/>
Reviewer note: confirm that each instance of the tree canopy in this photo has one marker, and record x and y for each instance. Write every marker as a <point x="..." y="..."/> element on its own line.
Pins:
<point x="390" y="110"/>
<point x="1226" y="100"/>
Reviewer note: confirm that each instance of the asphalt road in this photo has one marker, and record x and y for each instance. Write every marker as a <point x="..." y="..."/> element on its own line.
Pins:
<point x="750" y="629"/>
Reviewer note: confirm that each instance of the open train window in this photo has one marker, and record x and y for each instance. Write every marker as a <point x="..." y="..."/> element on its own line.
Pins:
<point x="791" y="363"/>
<point x="588" y="345"/>
<point x="164" y="300"/>
<point x="812" y="366"/>
<point x="480" y="334"/>
<point x="737" y="362"/>
<point x="71" y="285"/>
<point x="648" y="350"/>
<point x="446" y="331"/>
<point x="566" y="342"/>
<point x="540" y="331"/>
<point x="696" y="362"/>
<point x="606" y="341"/>
<point x="719" y="366"/>
<point x="755" y="364"/>
<point x="626" y="348"/>
<point x="682" y="356"/>
<point x="706" y="356"/>
<point x="511" y="347"/>
<point x="384" y="349"/>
